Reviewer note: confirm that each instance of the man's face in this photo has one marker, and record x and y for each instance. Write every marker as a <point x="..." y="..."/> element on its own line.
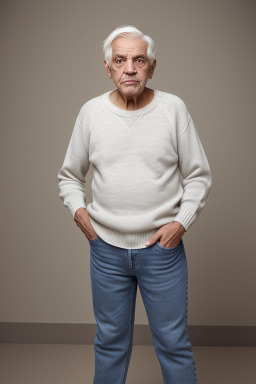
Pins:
<point x="130" y="69"/>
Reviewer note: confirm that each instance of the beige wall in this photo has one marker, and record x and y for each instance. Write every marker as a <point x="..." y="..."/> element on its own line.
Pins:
<point x="52" y="64"/>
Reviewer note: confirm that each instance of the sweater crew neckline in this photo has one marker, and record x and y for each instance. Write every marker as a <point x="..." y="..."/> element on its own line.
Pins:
<point x="131" y="113"/>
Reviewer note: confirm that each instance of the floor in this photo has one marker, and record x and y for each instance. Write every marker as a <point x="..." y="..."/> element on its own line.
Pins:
<point x="74" y="364"/>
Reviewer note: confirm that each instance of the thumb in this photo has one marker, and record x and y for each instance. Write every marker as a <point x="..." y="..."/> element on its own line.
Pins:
<point x="152" y="239"/>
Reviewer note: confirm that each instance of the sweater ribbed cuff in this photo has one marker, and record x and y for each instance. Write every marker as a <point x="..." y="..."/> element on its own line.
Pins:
<point x="74" y="205"/>
<point x="185" y="217"/>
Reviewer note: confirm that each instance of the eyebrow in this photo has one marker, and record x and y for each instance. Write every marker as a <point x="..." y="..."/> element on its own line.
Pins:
<point x="134" y="57"/>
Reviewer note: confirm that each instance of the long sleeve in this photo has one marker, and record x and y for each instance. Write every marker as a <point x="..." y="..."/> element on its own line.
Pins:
<point x="196" y="173"/>
<point x="72" y="174"/>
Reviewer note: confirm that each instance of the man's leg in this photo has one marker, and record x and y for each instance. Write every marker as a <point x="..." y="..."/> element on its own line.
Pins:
<point x="114" y="291"/>
<point x="163" y="282"/>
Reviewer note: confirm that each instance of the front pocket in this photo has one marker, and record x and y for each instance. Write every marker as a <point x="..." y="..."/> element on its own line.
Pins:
<point x="94" y="240"/>
<point x="165" y="248"/>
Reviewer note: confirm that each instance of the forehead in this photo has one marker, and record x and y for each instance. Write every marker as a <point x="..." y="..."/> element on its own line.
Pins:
<point x="127" y="46"/>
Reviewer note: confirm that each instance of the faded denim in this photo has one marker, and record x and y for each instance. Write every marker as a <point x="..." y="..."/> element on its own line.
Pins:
<point x="162" y="276"/>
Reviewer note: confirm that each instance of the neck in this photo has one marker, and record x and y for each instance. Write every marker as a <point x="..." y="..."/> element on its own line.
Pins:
<point x="132" y="102"/>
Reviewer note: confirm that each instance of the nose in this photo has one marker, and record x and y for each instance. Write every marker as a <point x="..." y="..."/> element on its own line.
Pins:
<point x="130" y="67"/>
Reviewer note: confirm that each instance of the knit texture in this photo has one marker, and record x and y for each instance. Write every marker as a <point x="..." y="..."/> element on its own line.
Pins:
<point x="149" y="168"/>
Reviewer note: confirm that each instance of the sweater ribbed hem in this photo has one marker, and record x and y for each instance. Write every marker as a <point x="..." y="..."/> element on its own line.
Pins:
<point x="122" y="240"/>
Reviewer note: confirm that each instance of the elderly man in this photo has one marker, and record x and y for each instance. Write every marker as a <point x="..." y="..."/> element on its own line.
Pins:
<point x="150" y="181"/>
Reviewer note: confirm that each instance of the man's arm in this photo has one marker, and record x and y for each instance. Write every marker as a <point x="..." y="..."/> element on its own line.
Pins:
<point x="72" y="174"/>
<point x="196" y="173"/>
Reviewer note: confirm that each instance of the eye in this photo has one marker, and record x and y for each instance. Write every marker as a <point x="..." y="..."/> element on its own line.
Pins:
<point x="139" y="61"/>
<point x="119" y="61"/>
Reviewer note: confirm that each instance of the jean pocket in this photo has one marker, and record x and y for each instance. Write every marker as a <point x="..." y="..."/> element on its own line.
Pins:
<point x="166" y="249"/>
<point x="94" y="240"/>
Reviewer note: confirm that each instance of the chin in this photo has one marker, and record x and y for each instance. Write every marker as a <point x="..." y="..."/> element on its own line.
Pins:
<point x="131" y="89"/>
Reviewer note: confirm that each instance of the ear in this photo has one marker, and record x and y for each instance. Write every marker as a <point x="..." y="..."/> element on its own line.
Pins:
<point x="151" y="72"/>
<point x="107" y="69"/>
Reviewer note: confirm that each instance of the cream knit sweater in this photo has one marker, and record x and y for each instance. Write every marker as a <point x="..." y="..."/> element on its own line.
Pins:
<point x="149" y="168"/>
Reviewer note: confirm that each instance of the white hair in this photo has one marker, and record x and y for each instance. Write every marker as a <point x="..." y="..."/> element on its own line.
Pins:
<point x="130" y="32"/>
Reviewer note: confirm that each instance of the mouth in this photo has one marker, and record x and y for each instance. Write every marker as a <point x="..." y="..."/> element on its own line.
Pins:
<point x="130" y="82"/>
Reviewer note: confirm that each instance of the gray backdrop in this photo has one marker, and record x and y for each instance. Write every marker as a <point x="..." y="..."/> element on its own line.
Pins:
<point x="52" y="64"/>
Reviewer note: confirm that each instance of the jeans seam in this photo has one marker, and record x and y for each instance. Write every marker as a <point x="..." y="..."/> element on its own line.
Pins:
<point x="129" y="339"/>
<point x="188" y="341"/>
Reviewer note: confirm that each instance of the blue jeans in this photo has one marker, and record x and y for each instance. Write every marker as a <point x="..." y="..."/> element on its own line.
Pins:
<point x="162" y="276"/>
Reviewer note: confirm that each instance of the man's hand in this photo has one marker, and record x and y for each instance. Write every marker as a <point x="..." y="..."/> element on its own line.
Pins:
<point x="82" y="220"/>
<point x="170" y="235"/>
